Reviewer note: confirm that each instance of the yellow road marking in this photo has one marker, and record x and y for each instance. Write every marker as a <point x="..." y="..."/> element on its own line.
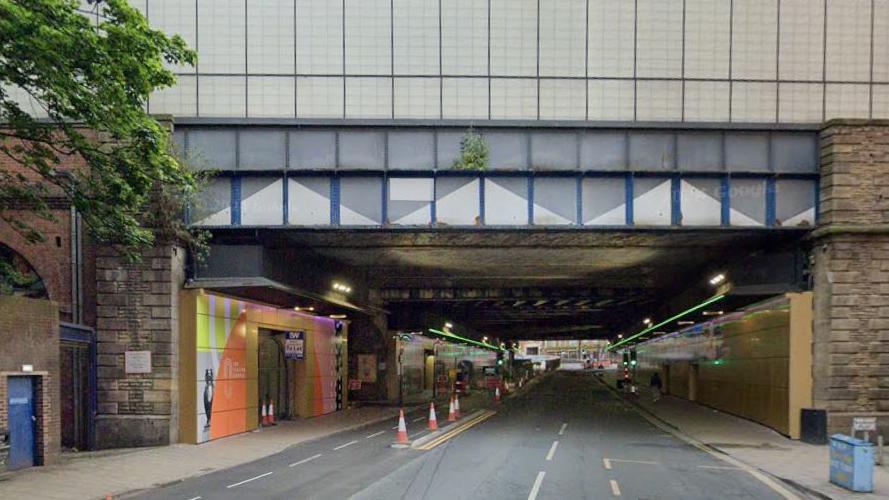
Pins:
<point x="454" y="432"/>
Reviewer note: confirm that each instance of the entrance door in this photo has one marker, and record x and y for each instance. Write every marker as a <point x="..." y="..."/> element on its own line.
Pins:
<point x="429" y="372"/>
<point x="21" y="422"/>
<point x="273" y="381"/>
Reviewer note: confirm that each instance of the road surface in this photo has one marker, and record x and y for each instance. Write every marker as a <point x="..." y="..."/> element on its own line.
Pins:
<point x="567" y="438"/>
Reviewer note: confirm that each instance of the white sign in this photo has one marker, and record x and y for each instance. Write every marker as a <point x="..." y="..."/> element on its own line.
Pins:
<point x="864" y="423"/>
<point x="137" y="361"/>
<point x="295" y="345"/>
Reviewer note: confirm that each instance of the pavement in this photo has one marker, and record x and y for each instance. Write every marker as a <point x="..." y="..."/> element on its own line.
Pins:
<point x="800" y="465"/>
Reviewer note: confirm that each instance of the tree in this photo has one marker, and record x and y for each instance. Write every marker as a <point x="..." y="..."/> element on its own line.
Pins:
<point x="90" y="75"/>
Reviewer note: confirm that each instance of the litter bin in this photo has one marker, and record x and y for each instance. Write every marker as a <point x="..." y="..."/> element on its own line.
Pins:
<point x="851" y="463"/>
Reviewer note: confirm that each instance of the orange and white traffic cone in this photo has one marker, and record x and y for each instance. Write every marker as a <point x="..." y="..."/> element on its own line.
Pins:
<point x="457" y="406"/>
<point x="452" y="415"/>
<point x="401" y="436"/>
<point x="433" y="422"/>
<point x="272" y="412"/>
<point x="497" y="394"/>
<point x="265" y="415"/>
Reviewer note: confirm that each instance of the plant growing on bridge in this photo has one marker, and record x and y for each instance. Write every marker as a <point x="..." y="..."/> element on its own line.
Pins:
<point x="473" y="152"/>
<point x="73" y="124"/>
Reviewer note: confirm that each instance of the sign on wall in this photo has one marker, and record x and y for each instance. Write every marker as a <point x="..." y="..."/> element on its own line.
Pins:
<point x="295" y="345"/>
<point x="137" y="361"/>
<point x="367" y="364"/>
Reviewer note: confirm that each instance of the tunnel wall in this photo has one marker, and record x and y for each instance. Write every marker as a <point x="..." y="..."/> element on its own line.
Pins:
<point x="755" y="364"/>
<point x="447" y="356"/>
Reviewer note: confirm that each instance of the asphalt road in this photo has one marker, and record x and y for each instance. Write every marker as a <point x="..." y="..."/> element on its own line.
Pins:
<point x="567" y="438"/>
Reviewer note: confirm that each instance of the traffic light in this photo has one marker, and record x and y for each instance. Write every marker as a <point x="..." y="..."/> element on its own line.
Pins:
<point x="626" y="358"/>
<point x="633" y="357"/>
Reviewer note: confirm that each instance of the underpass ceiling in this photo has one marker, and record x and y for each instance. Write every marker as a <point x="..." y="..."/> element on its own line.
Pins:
<point x="528" y="284"/>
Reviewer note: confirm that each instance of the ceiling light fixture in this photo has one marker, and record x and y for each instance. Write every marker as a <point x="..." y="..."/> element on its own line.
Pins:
<point x="448" y="325"/>
<point x="717" y="280"/>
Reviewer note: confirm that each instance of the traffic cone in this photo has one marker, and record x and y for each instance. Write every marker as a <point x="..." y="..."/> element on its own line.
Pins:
<point x="457" y="406"/>
<point x="452" y="415"/>
<point x="497" y="394"/>
<point x="433" y="422"/>
<point x="265" y="415"/>
<point x="401" y="436"/>
<point x="272" y="412"/>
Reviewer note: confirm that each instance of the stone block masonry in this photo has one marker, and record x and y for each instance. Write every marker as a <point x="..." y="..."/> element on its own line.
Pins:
<point x="851" y="275"/>
<point x="137" y="310"/>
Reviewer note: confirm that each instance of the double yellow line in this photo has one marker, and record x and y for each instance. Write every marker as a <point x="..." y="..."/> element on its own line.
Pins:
<point x="459" y="429"/>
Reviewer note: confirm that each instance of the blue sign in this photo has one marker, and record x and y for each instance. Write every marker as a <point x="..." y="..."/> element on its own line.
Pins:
<point x="851" y="463"/>
<point x="295" y="345"/>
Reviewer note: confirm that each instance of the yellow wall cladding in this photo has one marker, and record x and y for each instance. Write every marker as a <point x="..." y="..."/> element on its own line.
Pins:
<point x="741" y="363"/>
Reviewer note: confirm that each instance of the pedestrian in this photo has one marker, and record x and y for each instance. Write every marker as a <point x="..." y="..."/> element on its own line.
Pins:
<point x="656" y="385"/>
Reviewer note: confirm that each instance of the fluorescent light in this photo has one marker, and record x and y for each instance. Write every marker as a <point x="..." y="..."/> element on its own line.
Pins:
<point x="449" y="325"/>
<point x="719" y="278"/>
<point x="464" y="339"/>
<point x="337" y="316"/>
<point x="684" y="313"/>
<point x="685" y="323"/>
<point x="712" y="313"/>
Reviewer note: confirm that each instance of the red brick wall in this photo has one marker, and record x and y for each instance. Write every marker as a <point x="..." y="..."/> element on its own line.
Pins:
<point x="29" y="334"/>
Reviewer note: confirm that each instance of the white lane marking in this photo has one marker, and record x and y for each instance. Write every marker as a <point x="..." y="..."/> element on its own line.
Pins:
<point x="552" y="450"/>
<point x="634" y="461"/>
<point x="562" y="430"/>
<point x="195" y="498"/>
<point x="418" y="419"/>
<point x="719" y="467"/>
<point x="251" y="479"/>
<point x="313" y="457"/>
<point x="394" y="427"/>
<point x="607" y="463"/>
<point x="375" y="434"/>
<point x="340" y="447"/>
<point x="536" y="488"/>
<point x="615" y="488"/>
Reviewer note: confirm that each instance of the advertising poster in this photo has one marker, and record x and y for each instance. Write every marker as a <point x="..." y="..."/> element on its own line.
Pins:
<point x="367" y="368"/>
<point x="295" y="345"/>
<point x="221" y="369"/>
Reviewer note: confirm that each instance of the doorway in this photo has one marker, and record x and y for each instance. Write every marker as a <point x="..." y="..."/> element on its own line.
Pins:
<point x="273" y="373"/>
<point x="22" y="423"/>
<point x="429" y="371"/>
<point x="75" y="396"/>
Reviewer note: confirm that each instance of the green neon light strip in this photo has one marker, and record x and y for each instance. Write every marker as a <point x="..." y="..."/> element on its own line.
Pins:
<point x="698" y="307"/>
<point x="466" y="340"/>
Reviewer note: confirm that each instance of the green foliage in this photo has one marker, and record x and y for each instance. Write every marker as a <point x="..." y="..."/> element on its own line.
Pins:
<point x="90" y="74"/>
<point x="473" y="152"/>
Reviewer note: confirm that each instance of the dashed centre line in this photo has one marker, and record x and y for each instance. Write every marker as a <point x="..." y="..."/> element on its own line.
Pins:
<point x="615" y="488"/>
<point x="562" y="430"/>
<point x="552" y="451"/>
<point x="340" y="447"/>
<point x="719" y="467"/>
<point x="375" y="434"/>
<point x="536" y="488"/>
<point x="251" y="479"/>
<point x="418" y="419"/>
<point x="607" y="463"/>
<point x="313" y="457"/>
